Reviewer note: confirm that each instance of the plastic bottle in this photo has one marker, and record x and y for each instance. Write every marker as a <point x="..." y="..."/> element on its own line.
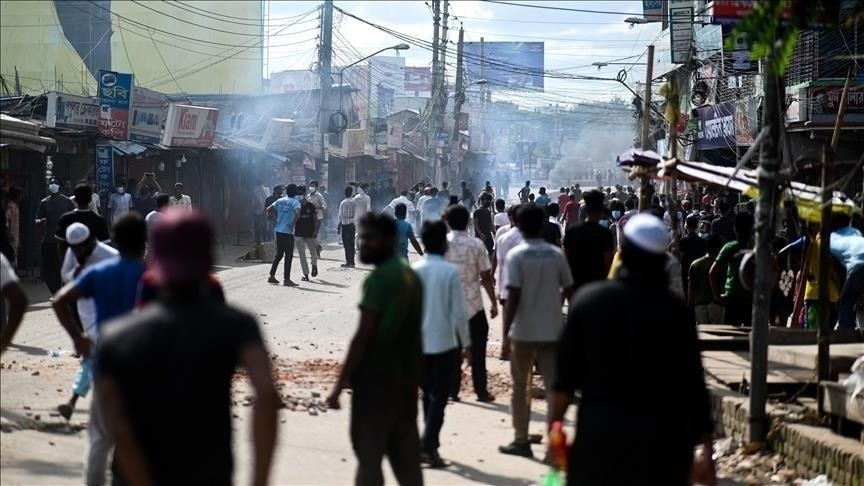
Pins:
<point x="558" y="456"/>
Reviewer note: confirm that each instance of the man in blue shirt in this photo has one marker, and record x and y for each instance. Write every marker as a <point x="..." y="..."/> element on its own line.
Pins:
<point x="404" y="232"/>
<point x="287" y="209"/>
<point x="113" y="286"/>
<point x="543" y="199"/>
<point x="847" y="246"/>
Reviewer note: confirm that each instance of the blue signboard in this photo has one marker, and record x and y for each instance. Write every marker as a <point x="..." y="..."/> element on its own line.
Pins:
<point x="506" y="64"/>
<point x="104" y="167"/>
<point x="717" y="126"/>
<point x="115" y="89"/>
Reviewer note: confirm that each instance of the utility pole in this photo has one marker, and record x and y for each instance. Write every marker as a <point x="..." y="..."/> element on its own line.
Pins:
<point x="646" y="189"/>
<point x="325" y="80"/>
<point x="459" y="96"/>
<point x="432" y="136"/>
<point x="823" y="336"/>
<point x="442" y="93"/>
<point x="769" y="167"/>
<point x="483" y="94"/>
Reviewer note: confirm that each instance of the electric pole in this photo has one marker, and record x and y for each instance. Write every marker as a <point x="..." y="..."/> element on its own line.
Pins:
<point x="646" y="188"/>
<point x="459" y="97"/>
<point x="769" y="166"/>
<point x="432" y="134"/>
<point x="442" y="92"/>
<point x="325" y="80"/>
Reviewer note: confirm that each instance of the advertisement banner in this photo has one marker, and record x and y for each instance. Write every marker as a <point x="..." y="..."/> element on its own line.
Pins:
<point x="506" y="64"/>
<point x="277" y="135"/>
<point x="717" y="126"/>
<point x="681" y="33"/>
<point x="731" y="11"/>
<point x="823" y="102"/>
<point x="353" y="142"/>
<point x="394" y="134"/>
<point x="70" y="111"/>
<point x="652" y="10"/>
<point x="115" y="98"/>
<point x="190" y="126"/>
<point x="104" y="167"/>
<point x="149" y="110"/>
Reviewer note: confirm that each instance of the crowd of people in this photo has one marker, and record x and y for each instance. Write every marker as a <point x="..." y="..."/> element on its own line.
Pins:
<point x="135" y="310"/>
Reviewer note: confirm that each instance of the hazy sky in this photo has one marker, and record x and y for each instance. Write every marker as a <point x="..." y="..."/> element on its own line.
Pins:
<point x="573" y="40"/>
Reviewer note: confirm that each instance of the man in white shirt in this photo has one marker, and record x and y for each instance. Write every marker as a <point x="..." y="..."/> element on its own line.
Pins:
<point x="401" y="199"/>
<point x="469" y="254"/>
<point x="501" y="218"/>
<point x="180" y="200"/>
<point x="119" y="203"/>
<point x="362" y="205"/>
<point x="85" y="251"/>
<point x="444" y="319"/>
<point x="317" y="200"/>
<point x="162" y="203"/>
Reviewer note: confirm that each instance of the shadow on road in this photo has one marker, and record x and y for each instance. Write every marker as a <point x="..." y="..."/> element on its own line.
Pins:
<point x="31" y="350"/>
<point x="477" y="475"/>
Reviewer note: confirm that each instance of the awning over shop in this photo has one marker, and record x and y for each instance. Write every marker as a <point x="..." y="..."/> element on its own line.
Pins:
<point x="806" y="197"/>
<point x="124" y="147"/>
<point x="23" y="134"/>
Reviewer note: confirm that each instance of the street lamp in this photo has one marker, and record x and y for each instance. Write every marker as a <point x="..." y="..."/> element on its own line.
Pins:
<point x="633" y="21"/>
<point x="603" y="64"/>
<point x="397" y="48"/>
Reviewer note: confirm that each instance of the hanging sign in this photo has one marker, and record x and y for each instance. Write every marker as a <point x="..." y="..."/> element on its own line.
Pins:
<point x="104" y="167"/>
<point x="115" y="98"/>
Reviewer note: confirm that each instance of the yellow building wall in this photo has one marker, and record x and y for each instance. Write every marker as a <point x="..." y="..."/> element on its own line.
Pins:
<point x="142" y="43"/>
<point x="32" y="40"/>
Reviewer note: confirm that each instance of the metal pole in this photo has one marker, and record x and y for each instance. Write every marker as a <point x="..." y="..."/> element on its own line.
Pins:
<point x="823" y="337"/>
<point x="769" y="166"/>
<point x="324" y="73"/>
<point x="646" y="188"/>
<point x="432" y="136"/>
<point x="458" y="99"/>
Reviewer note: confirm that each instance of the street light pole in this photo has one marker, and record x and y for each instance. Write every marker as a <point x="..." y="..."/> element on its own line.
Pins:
<point x="646" y="189"/>
<point x="397" y="48"/>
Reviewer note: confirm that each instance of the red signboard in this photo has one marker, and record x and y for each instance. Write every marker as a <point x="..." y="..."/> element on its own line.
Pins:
<point x="732" y="9"/>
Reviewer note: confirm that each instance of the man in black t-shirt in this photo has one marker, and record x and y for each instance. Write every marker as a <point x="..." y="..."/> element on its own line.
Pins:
<point x="483" y="223"/>
<point x="304" y="234"/>
<point x="588" y="245"/>
<point x="271" y="217"/>
<point x="82" y="214"/>
<point x="692" y="248"/>
<point x="165" y="372"/>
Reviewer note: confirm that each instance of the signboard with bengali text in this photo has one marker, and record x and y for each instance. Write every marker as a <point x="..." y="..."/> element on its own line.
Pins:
<point x="69" y="111"/>
<point x="104" y="167"/>
<point x="149" y="110"/>
<point x="115" y="98"/>
<point x="190" y="126"/>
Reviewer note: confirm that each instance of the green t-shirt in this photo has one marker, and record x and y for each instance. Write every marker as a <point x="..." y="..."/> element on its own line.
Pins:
<point x="394" y="292"/>
<point x="730" y="256"/>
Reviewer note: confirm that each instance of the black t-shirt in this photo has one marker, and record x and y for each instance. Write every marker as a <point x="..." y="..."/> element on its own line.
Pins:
<point x="483" y="223"/>
<point x="552" y="233"/>
<point x="173" y="365"/>
<point x="269" y="202"/>
<point x="95" y="223"/>
<point x="585" y="244"/>
<point x="143" y="205"/>
<point x="617" y="333"/>
<point x="692" y="248"/>
<point x="306" y="221"/>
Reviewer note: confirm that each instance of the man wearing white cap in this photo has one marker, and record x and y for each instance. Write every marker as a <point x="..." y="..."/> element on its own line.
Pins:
<point x="85" y="251"/>
<point x="608" y="349"/>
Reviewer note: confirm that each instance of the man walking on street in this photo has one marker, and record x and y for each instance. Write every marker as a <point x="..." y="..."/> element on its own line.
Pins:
<point x="82" y="214"/>
<point x="271" y="217"/>
<point x="346" y="227"/>
<point x="589" y="246"/>
<point x="287" y="210"/>
<point x="508" y="237"/>
<point x="320" y="203"/>
<point x="383" y="364"/>
<point x="469" y="254"/>
<point x="483" y="223"/>
<point x="48" y="215"/>
<point x="84" y="252"/>
<point x="113" y="286"/>
<point x="163" y="202"/>
<point x="305" y="235"/>
<point x="662" y="342"/>
<point x="538" y="280"/>
<point x="444" y="319"/>
<point x="180" y="200"/>
<point x="725" y="281"/>
<point x="524" y="192"/>
<point x="405" y="233"/>
<point x="176" y="359"/>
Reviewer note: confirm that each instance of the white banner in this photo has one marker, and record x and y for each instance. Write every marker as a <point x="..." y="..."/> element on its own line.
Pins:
<point x="190" y="126"/>
<point x="149" y="110"/>
<point x="72" y="111"/>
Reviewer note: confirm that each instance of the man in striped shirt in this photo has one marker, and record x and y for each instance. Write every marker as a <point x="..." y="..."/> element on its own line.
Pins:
<point x="346" y="228"/>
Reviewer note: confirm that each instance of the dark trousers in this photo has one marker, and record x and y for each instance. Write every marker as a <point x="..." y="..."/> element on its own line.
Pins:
<point x="284" y="246"/>
<point x="739" y="311"/>
<point x="49" y="267"/>
<point x="259" y="222"/>
<point x="348" y="233"/>
<point x="384" y="422"/>
<point x="479" y="329"/>
<point x="437" y="382"/>
<point x="852" y="290"/>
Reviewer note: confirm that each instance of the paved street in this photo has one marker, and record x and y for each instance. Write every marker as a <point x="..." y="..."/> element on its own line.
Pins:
<point x="307" y="330"/>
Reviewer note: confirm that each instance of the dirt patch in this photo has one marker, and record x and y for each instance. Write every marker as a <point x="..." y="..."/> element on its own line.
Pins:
<point x="302" y="385"/>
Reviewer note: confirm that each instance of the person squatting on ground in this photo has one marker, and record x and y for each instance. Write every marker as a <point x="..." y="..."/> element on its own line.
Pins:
<point x="384" y="361"/>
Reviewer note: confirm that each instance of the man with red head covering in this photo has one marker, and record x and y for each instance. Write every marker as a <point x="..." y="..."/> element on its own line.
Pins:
<point x="175" y="359"/>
